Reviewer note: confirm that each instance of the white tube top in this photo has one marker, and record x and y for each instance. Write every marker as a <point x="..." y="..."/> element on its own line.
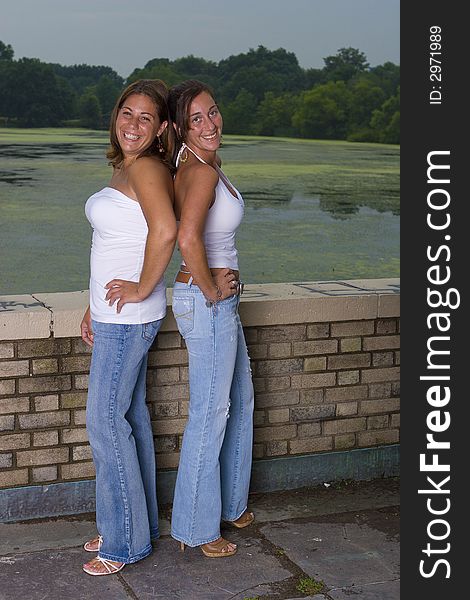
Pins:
<point x="117" y="252"/>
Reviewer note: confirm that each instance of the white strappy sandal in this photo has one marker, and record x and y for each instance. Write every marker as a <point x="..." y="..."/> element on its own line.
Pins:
<point x="88" y="545"/>
<point x="109" y="565"/>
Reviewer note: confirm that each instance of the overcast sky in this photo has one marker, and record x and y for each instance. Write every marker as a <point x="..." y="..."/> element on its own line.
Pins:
<point x="125" y="34"/>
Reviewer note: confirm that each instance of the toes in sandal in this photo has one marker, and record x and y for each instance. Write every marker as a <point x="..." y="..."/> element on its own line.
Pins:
<point x="93" y="545"/>
<point x="110" y="566"/>
<point x="218" y="549"/>
<point x="246" y="519"/>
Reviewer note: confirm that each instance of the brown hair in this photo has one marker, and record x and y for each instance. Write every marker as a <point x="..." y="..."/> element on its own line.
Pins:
<point x="179" y="103"/>
<point x="157" y="91"/>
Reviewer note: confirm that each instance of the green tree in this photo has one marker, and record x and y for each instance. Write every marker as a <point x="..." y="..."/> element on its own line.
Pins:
<point x="387" y="77"/>
<point x="90" y="111"/>
<point x="274" y="115"/>
<point x="107" y="91"/>
<point x="386" y="121"/>
<point x="33" y="94"/>
<point x="6" y="51"/>
<point x="193" y="67"/>
<point x="239" y="115"/>
<point x="157" y="68"/>
<point x="81" y="77"/>
<point x="313" y="77"/>
<point x="259" y="71"/>
<point x="365" y="97"/>
<point x="322" y="112"/>
<point x="345" y="64"/>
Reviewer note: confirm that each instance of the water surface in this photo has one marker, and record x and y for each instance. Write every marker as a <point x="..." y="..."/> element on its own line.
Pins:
<point x="315" y="210"/>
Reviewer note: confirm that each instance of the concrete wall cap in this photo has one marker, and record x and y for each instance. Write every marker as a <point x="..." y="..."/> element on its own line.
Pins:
<point x="38" y="315"/>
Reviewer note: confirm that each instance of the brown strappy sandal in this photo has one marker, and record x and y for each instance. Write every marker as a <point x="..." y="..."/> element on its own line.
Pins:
<point x="217" y="549"/>
<point x="246" y="519"/>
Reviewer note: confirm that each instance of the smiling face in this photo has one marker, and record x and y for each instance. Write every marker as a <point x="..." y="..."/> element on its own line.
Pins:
<point x="137" y="124"/>
<point x="204" y="125"/>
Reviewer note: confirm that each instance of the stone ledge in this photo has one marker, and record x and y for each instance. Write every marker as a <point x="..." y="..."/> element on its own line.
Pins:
<point x="24" y="317"/>
<point x="39" y="315"/>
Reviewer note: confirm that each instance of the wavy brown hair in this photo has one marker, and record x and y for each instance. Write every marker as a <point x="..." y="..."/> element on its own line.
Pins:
<point x="157" y="91"/>
<point x="179" y="104"/>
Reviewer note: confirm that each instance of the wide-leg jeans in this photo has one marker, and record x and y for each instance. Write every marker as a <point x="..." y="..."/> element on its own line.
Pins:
<point x="215" y="463"/>
<point x="120" y="434"/>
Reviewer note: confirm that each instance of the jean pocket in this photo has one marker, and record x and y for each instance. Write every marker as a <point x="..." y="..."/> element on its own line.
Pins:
<point x="150" y="330"/>
<point x="183" y="310"/>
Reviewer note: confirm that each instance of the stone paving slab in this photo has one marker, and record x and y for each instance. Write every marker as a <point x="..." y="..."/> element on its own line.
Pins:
<point x="325" y="500"/>
<point x="388" y="590"/>
<point x="51" y="534"/>
<point x="297" y="534"/>
<point x="55" y="575"/>
<point x="33" y="537"/>
<point x="170" y="573"/>
<point x="343" y="550"/>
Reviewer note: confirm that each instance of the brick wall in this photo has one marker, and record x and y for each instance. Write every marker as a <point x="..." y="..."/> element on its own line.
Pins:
<point x="320" y="386"/>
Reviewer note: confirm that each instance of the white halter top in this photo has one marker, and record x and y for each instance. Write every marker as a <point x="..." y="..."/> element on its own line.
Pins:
<point x="223" y="220"/>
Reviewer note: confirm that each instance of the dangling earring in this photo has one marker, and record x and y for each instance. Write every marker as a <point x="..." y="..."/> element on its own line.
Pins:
<point x="184" y="155"/>
<point x="221" y="140"/>
<point x="161" y="149"/>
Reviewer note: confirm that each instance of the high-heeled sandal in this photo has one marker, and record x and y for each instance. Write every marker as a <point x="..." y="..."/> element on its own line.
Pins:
<point x="244" y="520"/>
<point x="110" y="566"/>
<point x="217" y="549"/>
<point x="93" y="545"/>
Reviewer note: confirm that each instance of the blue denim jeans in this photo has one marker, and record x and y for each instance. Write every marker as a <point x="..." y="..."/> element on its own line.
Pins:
<point x="120" y="434"/>
<point x="215" y="463"/>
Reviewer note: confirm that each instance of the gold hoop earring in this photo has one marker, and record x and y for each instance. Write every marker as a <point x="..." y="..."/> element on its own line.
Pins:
<point x="184" y="156"/>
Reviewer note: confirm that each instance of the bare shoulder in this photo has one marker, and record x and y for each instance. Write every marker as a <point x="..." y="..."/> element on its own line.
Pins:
<point x="198" y="173"/>
<point x="148" y="164"/>
<point x="149" y="169"/>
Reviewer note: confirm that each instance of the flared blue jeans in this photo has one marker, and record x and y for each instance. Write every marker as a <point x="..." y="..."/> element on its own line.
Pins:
<point x="120" y="434"/>
<point x="215" y="463"/>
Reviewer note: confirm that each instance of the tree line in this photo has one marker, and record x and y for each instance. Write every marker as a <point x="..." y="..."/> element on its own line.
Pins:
<point x="260" y="92"/>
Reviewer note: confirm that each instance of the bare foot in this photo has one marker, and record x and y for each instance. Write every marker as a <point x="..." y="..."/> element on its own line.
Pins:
<point x="101" y="566"/>
<point x="219" y="548"/>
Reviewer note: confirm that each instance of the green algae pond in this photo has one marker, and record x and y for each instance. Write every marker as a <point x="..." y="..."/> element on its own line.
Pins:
<point x="315" y="209"/>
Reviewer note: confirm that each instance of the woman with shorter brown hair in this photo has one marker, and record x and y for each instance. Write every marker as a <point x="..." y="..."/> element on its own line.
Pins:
<point x="134" y="232"/>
